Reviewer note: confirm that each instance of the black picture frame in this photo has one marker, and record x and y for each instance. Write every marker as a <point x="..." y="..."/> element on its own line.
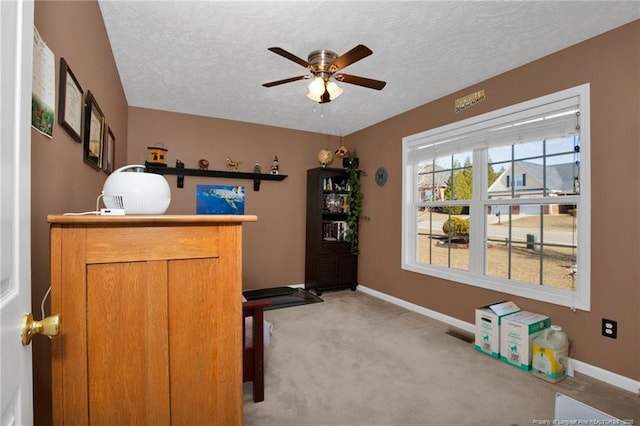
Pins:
<point x="109" y="150"/>
<point x="70" y="102"/>
<point x="93" y="132"/>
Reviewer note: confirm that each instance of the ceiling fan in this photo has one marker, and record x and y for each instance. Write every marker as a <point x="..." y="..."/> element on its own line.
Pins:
<point x="324" y="66"/>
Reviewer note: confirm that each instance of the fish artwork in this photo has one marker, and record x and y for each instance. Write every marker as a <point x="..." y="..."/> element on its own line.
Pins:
<point x="220" y="199"/>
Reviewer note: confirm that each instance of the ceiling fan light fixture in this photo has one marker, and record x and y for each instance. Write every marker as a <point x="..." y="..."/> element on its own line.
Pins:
<point x="334" y="90"/>
<point x="323" y="65"/>
<point x="317" y="86"/>
<point x="314" y="97"/>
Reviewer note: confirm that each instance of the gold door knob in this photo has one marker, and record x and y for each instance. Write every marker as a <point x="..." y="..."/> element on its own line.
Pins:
<point x="50" y="326"/>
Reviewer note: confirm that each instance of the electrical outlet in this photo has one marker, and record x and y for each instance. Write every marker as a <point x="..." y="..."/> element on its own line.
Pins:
<point x="609" y="328"/>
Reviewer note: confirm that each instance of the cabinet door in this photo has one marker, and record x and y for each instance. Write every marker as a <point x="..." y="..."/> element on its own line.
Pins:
<point x="127" y="343"/>
<point x="347" y="269"/>
<point x="205" y="332"/>
<point x="327" y="269"/>
<point x="336" y="269"/>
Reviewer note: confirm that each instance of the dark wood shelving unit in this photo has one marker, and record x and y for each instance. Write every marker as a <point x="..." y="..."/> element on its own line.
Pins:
<point x="181" y="172"/>
<point x="329" y="263"/>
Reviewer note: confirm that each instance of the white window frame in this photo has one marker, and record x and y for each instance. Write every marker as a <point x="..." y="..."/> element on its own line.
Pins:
<point x="429" y="143"/>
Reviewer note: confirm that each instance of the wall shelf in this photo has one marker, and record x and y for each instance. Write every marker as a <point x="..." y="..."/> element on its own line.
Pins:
<point x="181" y="172"/>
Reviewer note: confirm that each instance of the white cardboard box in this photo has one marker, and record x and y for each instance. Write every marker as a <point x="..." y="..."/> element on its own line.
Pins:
<point x="516" y="337"/>
<point x="488" y="320"/>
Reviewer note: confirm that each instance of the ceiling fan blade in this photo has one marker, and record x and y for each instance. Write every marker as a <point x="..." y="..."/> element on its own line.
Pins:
<point x="361" y="81"/>
<point x="286" y="80"/>
<point x="290" y="56"/>
<point x="359" y="52"/>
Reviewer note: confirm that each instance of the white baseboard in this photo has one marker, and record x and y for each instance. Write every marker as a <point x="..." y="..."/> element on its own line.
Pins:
<point x="454" y="322"/>
<point x="598" y="373"/>
<point x="607" y="376"/>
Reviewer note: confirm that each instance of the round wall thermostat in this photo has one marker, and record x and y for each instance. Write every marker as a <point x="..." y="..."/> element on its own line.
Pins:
<point x="381" y="176"/>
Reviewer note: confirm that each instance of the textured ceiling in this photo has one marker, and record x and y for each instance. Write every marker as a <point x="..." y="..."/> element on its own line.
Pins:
<point x="210" y="58"/>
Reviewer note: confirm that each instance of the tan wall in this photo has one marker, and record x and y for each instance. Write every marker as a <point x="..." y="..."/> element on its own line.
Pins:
<point x="611" y="63"/>
<point x="61" y="181"/>
<point x="273" y="248"/>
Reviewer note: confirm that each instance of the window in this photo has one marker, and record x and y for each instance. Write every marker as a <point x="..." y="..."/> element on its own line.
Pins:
<point x="501" y="200"/>
<point x="520" y="180"/>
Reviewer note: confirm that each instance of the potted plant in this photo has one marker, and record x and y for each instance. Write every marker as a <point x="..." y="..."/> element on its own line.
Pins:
<point x="354" y="199"/>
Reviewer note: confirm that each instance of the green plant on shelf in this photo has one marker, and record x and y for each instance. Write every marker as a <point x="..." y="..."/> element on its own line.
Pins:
<point x="354" y="202"/>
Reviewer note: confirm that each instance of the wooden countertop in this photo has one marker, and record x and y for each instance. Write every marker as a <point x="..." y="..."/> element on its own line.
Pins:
<point x="162" y="219"/>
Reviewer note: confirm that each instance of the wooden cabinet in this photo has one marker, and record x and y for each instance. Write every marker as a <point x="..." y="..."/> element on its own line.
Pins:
<point x="151" y="313"/>
<point x="329" y="263"/>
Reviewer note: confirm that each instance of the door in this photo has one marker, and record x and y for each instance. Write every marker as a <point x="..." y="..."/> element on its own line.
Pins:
<point x="16" y="40"/>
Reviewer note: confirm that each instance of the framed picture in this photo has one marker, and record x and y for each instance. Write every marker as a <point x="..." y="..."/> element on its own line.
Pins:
<point x="93" y="132"/>
<point x="109" y="146"/>
<point x="219" y="199"/>
<point x="70" y="102"/>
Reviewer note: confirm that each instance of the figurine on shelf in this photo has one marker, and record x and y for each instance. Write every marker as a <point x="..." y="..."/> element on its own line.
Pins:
<point x="325" y="157"/>
<point x="233" y="164"/>
<point x="180" y="166"/>
<point x="156" y="155"/>
<point x="203" y="164"/>
<point x="275" y="166"/>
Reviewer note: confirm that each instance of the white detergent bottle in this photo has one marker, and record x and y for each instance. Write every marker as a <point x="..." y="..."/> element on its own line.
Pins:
<point x="550" y="353"/>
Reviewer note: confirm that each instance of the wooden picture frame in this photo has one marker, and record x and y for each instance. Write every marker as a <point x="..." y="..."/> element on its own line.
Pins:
<point x="70" y="102"/>
<point x="109" y="149"/>
<point x="93" y="132"/>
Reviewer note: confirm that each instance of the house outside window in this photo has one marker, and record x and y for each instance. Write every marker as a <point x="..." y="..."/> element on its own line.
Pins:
<point x="501" y="200"/>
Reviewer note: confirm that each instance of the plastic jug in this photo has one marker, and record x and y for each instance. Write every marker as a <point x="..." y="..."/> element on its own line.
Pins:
<point x="550" y="353"/>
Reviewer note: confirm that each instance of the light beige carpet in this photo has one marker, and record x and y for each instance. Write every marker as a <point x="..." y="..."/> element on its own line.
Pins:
<point x="357" y="360"/>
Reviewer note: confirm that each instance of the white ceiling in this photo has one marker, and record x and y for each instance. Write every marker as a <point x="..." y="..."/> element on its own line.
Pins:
<point x="210" y="58"/>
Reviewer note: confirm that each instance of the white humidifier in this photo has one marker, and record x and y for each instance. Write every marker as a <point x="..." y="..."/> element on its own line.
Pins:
<point x="136" y="192"/>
